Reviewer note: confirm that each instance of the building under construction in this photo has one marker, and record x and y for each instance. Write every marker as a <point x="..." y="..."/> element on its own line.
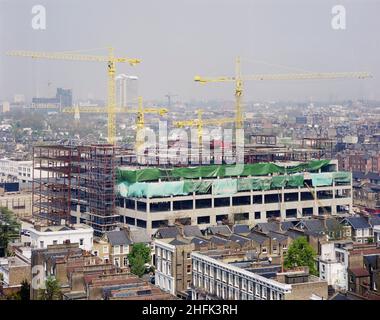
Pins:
<point x="77" y="184"/>
<point x="79" y="179"/>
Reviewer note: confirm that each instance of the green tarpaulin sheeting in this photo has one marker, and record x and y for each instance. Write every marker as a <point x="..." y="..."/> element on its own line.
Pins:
<point x="295" y="180"/>
<point x="224" y="187"/>
<point x="149" y="190"/>
<point x="341" y="177"/>
<point x="196" y="186"/>
<point x="213" y="171"/>
<point x="321" y="179"/>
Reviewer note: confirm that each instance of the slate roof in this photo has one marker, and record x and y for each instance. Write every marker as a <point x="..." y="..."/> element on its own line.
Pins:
<point x="286" y="225"/>
<point x="267" y="226"/>
<point x="192" y="231"/>
<point x="294" y="234"/>
<point x="240" y="228"/>
<point x="238" y="239"/>
<point x="257" y="237"/>
<point x="223" y="229"/>
<point x="168" y="232"/>
<point x="218" y="240"/>
<point x="312" y="225"/>
<point x="199" y="241"/>
<point x="374" y="221"/>
<point x="117" y="238"/>
<point x="176" y="242"/>
<point x="357" y="222"/>
<point x="278" y="236"/>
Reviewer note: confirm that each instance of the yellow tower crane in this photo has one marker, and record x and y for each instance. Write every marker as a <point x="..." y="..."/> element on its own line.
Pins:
<point x="111" y="61"/>
<point x="239" y="79"/>
<point x="199" y="123"/>
<point x="140" y="112"/>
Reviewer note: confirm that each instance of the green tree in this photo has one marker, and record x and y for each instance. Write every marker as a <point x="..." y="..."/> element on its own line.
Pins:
<point x="9" y="228"/>
<point x="52" y="290"/>
<point x="139" y="256"/>
<point x="301" y="254"/>
<point x="25" y="290"/>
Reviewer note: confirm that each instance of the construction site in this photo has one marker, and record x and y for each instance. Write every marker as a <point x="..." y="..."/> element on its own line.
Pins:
<point x="104" y="185"/>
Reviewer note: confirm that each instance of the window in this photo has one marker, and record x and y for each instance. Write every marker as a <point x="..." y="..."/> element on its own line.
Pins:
<point x="55" y="242"/>
<point x="81" y="241"/>
<point x="188" y="255"/>
<point x="218" y="274"/>
<point x="125" y="261"/>
<point x="250" y="286"/>
<point x="188" y="268"/>
<point x="105" y="249"/>
<point x="41" y="244"/>
<point x="264" y="250"/>
<point x="231" y="279"/>
<point x="116" y="249"/>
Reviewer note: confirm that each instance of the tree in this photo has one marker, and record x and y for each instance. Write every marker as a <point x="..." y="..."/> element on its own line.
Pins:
<point x="139" y="256"/>
<point x="25" y="290"/>
<point x="9" y="229"/>
<point x="301" y="254"/>
<point x="52" y="290"/>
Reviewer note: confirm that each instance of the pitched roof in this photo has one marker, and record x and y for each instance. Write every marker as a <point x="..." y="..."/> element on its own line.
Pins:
<point x="374" y="221"/>
<point x="140" y="236"/>
<point x="192" y="231"/>
<point x="240" y="228"/>
<point x="223" y="229"/>
<point x="357" y="222"/>
<point x="267" y="226"/>
<point x="219" y="240"/>
<point x="259" y="238"/>
<point x="117" y="238"/>
<point x="177" y="242"/>
<point x="199" y="241"/>
<point x="278" y="236"/>
<point x="312" y="225"/>
<point x="238" y="239"/>
<point x="168" y="232"/>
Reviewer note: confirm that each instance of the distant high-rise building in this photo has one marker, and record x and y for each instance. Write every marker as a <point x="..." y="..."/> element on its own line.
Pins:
<point x="123" y="87"/>
<point x="63" y="98"/>
<point x="5" y="106"/>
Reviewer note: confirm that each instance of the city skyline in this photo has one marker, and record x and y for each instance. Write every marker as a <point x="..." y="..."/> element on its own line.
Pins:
<point x="175" y="45"/>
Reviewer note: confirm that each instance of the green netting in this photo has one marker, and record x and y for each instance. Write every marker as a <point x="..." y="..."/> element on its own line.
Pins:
<point x="197" y="186"/>
<point x="341" y="177"/>
<point x="141" y="175"/>
<point x="213" y="171"/>
<point x="224" y="187"/>
<point x="295" y="180"/>
<point x="244" y="184"/>
<point x="279" y="181"/>
<point x="321" y="179"/>
<point x="149" y="190"/>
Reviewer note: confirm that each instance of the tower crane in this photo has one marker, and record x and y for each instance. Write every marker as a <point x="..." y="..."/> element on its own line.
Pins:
<point x="199" y="123"/>
<point x="111" y="61"/>
<point x="239" y="79"/>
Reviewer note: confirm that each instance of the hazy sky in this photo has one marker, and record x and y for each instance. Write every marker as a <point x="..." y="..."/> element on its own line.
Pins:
<point x="177" y="39"/>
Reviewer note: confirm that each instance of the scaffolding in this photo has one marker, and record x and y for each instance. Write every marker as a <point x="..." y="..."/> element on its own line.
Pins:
<point x="69" y="179"/>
